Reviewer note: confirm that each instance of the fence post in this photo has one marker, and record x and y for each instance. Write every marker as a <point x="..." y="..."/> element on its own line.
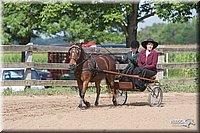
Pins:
<point x="28" y="58"/>
<point x="161" y="59"/>
<point x="167" y="61"/>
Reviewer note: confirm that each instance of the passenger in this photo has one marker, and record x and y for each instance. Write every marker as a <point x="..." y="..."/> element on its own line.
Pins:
<point x="147" y="62"/>
<point x="131" y="58"/>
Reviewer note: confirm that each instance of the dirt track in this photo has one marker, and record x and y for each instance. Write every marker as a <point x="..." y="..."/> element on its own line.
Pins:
<point x="61" y="113"/>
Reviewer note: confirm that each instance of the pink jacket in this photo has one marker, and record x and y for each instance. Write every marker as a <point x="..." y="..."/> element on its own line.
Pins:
<point x="150" y="62"/>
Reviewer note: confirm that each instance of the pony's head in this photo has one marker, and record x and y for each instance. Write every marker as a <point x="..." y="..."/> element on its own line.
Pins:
<point x="74" y="55"/>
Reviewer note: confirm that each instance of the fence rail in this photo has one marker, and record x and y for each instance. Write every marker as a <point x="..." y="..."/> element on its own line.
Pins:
<point x="31" y="49"/>
<point x="64" y="66"/>
<point x="40" y="48"/>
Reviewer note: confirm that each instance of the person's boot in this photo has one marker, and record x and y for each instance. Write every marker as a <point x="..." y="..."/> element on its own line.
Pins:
<point x="139" y="85"/>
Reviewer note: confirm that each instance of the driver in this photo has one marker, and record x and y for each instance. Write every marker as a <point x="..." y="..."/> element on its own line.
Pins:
<point x="131" y="58"/>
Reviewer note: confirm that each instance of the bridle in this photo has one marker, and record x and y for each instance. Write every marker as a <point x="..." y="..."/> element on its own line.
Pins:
<point x="77" y="67"/>
<point x="73" y="50"/>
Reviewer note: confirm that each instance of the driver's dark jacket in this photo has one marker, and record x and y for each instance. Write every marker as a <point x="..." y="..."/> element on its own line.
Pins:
<point x="131" y="60"/>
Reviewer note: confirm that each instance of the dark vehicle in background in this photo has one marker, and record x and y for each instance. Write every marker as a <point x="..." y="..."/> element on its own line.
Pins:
<point x="45" y="75"/>
<point x="18" y="74"/>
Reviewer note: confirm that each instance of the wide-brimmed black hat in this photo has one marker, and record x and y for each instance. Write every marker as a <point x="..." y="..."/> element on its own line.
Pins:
<point x="135" y="44"/>
<point x="144" y="44"/>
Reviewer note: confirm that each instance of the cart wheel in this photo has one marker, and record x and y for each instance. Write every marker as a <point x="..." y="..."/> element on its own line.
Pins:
<point x="155" y="96"/>
<point x="121" y="97"/>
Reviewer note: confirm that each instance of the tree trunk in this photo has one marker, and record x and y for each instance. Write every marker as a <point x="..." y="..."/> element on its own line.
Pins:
<point x="132" y="24"/>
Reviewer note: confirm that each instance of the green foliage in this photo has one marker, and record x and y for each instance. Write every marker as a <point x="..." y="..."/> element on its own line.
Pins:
<point x="176" y="11"/>
<point x="171" y="33"/>
<point x="23" y="21"/>
<point x="19" y="21"/>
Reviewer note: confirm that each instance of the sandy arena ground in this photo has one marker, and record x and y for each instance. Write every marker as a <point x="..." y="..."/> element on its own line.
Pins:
<point x="60" y="113"/>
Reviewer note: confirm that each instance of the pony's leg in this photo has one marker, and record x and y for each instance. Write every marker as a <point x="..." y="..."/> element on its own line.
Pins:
<point x="80" y="86"/>
<point x="110" y="83"/>
<point x="114" y="93"/>
<point x="85" y="85"/>
<point x="98" y="90"/>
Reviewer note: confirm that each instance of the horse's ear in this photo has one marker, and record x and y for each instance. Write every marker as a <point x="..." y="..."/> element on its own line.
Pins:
<point x="71" y="44"/>
<point x="69" y="49"/>
<point x="78" y="44"/>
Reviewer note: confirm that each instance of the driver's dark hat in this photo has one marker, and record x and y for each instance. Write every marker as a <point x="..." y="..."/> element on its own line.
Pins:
<point x="144" y="43"/>
<point x="135" y="44"/>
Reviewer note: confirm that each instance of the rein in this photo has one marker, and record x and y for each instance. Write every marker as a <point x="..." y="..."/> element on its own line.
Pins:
<point x="88" y="57"/>
<point x="108" y="51"/>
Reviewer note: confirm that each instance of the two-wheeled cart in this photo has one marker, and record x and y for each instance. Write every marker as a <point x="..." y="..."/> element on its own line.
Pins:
<point x="155" y="95"/>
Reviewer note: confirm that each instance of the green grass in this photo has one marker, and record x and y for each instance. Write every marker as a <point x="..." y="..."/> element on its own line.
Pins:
<point x="47" y="91"/>
<point x="52" y="91"/>
<point x="11" y="57"/>
<point x="187" y="88"/>
<point x="16" y="57"/>
<point x="181" y="58"/>
<point x="182" y="73"/>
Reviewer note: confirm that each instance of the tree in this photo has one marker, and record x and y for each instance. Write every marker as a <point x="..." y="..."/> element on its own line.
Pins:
<point x="171" y="33"/>
<point x="19" y="23"/>
<point x="124" y="17"/>
<point x="94" y="19"/>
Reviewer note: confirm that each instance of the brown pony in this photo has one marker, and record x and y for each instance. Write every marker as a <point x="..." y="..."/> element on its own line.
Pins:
<point x="87" y="68"/>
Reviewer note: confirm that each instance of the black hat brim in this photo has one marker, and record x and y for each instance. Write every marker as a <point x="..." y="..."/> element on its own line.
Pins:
<point x="144" y="44"/>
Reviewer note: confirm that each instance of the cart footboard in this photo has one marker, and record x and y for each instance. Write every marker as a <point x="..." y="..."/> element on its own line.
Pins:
<point x="125" y="86"/>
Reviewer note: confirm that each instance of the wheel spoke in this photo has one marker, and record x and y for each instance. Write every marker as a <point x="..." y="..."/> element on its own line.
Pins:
<point x="121" y="97"/>
<point x="155" y="97"/>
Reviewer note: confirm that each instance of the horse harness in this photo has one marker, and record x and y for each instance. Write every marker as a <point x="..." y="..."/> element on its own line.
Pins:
<point x="90" y="68"/>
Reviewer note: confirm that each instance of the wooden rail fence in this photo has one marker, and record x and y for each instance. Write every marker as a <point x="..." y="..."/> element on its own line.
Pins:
<point x="31" y="49"/>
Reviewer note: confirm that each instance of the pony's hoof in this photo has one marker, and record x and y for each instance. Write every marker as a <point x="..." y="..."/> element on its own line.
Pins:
<point x="114" y="101"/>
<point x="96" y="104"/>
<point x="87" y="104"/>
<point x="80" y="106"/>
